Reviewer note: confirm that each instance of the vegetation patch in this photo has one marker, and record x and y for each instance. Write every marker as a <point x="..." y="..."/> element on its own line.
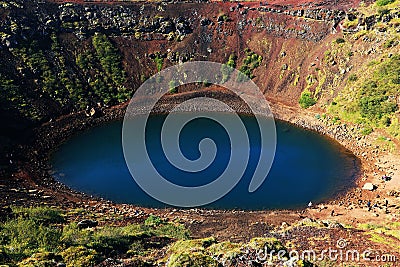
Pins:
<point x="384" y="2"/>
<point x="371" y="99"/>
<point x="250" y="62"/>
<point x="306" y="99"/>
<point x="159" y="61"/>
<point x="42" y="236"/>
<point x="227" y="69"/>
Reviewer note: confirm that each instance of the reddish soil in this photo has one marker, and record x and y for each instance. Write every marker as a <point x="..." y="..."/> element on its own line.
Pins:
<point x="25" y="187"/>
<point x="31" y="184"/>
<point x="293" y="4"/>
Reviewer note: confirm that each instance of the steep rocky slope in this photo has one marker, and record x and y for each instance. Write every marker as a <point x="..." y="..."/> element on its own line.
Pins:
<point x="69" y="61"/>
<point x="53" y="64"/>
<point x="63" y="57"/>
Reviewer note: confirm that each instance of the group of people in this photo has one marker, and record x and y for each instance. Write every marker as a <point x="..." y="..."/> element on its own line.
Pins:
<point x="370" y="206"/>
<point x="375" y="205"/>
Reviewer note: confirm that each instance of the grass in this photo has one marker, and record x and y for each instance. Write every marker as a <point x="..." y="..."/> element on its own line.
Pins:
<point x="159" y="61"/>
<point x="249" y="64"/>
<point x="203" y="252"/>
<point x="40" y="214"/>
<point x="350" y="24"/>
<point x="306" y="99"/>
<point x="191" y="253"/>
<point x="321" y="82"/>
<point x="41" y="236"/>
<point x="388" y="234"/>
<point x="385" y="143"/>
<point x="227" y="69"/>
<point x="383" y="239"/>
<point x="370" y="97"/>
<point x="384" y="2"/>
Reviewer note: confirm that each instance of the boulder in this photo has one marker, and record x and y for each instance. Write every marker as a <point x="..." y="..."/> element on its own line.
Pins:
<point x="369" y="187"/>
<point x="87" y="224"/>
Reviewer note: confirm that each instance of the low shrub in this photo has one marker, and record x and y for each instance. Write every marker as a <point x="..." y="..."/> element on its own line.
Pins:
<point x="44" y="215"/>
<point x="340" y="41"/>
<point x="306" y="99"/>
<point x="353" y="77"/>
<point x="79" y="256"/>
<point x="384" y="2"/>
<point x="22" y="237"/>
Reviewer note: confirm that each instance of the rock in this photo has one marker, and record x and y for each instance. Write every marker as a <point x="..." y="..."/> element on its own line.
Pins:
<point x="87" y="224"/>
<point x="393" y="193"/>
<point x="369" y="187"/>
<point x="5" y="213"/>
<point x="335" y="225"/>
<point x="284" y="225"/>
<point x="222" y="18"/>
<point x="307" y="221"/>
<point x="205" y="22"/>
<point x="351" y="16"/>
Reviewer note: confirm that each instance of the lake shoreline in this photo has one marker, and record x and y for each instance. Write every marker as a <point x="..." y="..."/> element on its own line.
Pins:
<point x="34" y="172"/>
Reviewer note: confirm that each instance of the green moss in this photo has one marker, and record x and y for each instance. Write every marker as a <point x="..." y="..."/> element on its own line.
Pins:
<point x="159" y="61"/>
<point x="34" y="58"/>
<point x="384" y="2"/>
<point x="40" y="214"/>
<point x="321" y="82"/>
<point x="79" y="256"/>
<point x="389" y="229"/>
<point x="352" y="77"/>
<point x="103" y="72"/>
<point x="109" y="58"/>
<point x="22" y="237"/>
<point x="172" y="230"/>
<point x="250" y="62"/>
<point x="371" y="98"/>
<point x="38" y="235"/>
<point x="306" y="100"/>
<point x="42" y="259"/>
<point x="153" y="220"/>
<point x="225" y="250"/>
<point x="383" y="239"/>
<point x="191" y="253"/>
<point x="182" y="246"/>
<point x="391" y="43"/>
<point x="227" y="69"/>
<point x="192" y="259"/>
<point x="14" y="98"/>
<point x="269" y="244"/>
<point x="366" y="130"/>
<point x="350" y="24"/>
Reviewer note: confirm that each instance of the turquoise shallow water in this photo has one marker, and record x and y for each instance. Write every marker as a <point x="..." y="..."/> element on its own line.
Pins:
<point x="307" y="166"/>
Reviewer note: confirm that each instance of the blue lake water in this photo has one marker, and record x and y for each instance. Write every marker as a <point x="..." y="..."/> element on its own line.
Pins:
<point x="307" y="166"/>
